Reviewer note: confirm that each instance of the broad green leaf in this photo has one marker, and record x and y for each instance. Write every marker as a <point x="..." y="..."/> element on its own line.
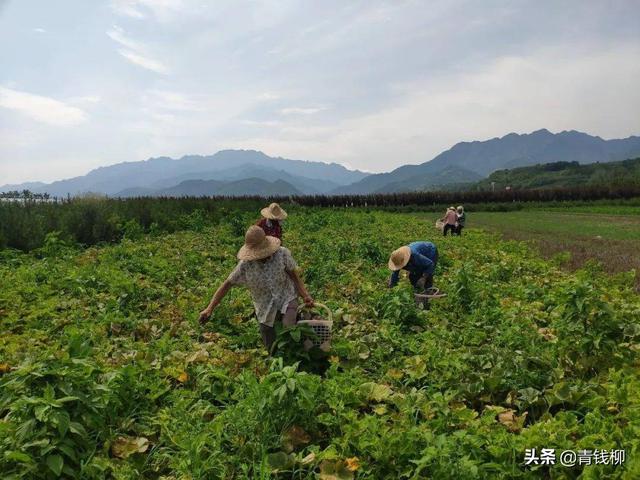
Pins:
<point x="55" y="463"/>
<point x="280" y="461"/>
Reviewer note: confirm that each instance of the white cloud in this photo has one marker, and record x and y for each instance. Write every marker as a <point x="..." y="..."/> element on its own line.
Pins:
<point x="91" y="99"/>
<point x="39" y="30"/>
<point x="117" y="35"/>
<point x="301" y="110"/>
<point x="162" y="10"/>
<point x="264" y="123"/>
<point x="135" y="51"/>
<point x="171" y="100"/>
<point x="268" y="96"/>
<point x="40" y="108"/>
<point x="144" y="62"/>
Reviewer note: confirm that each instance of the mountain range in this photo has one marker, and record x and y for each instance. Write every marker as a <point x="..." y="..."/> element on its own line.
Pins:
<point x="250" y="172"/>
<point x="475" y="160"/>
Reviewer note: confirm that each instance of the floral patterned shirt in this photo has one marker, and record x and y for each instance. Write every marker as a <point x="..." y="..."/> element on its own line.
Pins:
<point x="271" y="287"/>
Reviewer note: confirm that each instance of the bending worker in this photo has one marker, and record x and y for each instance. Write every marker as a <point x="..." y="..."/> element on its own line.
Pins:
<point x="269" y="272"/>
<point x="419" y="259"/>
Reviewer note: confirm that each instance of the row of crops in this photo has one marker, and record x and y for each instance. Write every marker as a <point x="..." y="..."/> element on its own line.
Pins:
<point x="105" y="372"/>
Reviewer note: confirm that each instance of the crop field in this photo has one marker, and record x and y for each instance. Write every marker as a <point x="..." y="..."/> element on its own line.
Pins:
<point x="106" y="373"/>
<point x="610" y="235"/>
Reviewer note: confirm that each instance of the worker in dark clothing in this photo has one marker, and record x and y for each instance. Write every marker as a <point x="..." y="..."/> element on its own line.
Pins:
<point x="419" y="259"/>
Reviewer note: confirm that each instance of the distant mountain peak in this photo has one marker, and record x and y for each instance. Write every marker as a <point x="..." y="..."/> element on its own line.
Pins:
<point x="480" y="158"/>
<point x="157" y="173"/>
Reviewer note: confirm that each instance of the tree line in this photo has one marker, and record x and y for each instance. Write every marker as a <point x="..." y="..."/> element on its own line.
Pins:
<point x="26" y="222"/>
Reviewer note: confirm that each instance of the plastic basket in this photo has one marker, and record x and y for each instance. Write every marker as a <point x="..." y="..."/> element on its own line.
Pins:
<point x="440" y="225"/>
<point x="322" y="328"/>
<point x="422" y="299"/>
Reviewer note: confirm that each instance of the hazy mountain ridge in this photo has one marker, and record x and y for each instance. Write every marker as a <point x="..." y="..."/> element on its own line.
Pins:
<point x="209" y="188"/>
<point x="509" y="151"/>
<point x="145" y="174"/>
<point x="464" y="163"/>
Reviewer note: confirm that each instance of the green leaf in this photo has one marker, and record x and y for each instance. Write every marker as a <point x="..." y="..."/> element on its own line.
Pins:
<point x="375" y="391"/>
<point x="77" y="428"/>
<point x="18" y="457"/>
<point x="280" y="461"/>
<point x="55" y="463"/>
<point x="62" y="418"/>
<point x="296" y="334"/>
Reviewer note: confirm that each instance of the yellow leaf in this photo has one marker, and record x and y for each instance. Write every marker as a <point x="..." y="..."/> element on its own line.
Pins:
<point x="183" y="377"/>
<point x="294" y="437"/>
<point x="123" y="447"/>
<point x="353" y="464"/>
<point x="547" y="334"/>
<point x="513" y="422"/>
<point x="211" y="336"/>
<point x="308" y="459"/>
<point x="380" y="409"/>
<point x="4" y="368"/>
<point x="198" y="357"/>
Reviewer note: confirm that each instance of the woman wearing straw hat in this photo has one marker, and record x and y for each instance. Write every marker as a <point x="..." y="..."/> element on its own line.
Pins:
<point x="269" y="272"/>
<point x="419" y="259"/>
<point x="270" y="221"/>
<point x="450" y="220"/>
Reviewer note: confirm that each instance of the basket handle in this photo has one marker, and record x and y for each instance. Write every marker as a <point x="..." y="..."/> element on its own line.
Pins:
<point x="320" y="305"/>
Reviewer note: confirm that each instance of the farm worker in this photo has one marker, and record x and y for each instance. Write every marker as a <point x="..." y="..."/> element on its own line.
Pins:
<point x="269" y="272"/>
<point x="419" y="259"/>
<point x="460" y="220"/>
<point x="272" y="216"/>
<point x="449" y="221"/>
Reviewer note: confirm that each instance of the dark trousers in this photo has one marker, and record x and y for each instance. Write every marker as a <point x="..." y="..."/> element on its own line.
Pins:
<point x="288" y="319"/>
<point x="448" y="227"/>
<point x="459" y="230"/>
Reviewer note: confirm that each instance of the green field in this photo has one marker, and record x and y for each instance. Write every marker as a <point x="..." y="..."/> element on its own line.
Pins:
<point x="575" y="236"/>
<point x="105" y="372"/>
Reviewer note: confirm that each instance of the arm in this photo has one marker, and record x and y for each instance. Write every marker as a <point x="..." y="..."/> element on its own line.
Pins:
<point x="215" y="301"/>
<point x="395" y="276"/>
<point x="300" y="288"/>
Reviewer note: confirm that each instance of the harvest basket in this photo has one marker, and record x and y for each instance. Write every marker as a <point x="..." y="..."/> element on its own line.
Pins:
<point x="321" y="327"/>
<point x="440" y="225"/>
<point x="429" y="294"/>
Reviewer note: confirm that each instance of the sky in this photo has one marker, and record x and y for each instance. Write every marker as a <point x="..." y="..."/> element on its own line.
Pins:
<point x="369" y="84"/>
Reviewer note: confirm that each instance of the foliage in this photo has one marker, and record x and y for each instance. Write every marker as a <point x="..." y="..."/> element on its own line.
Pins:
<point x="105" y="372"/>
<point x="565" y="174"/>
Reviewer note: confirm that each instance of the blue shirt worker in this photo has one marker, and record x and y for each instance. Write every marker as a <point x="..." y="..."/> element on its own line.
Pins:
<point x="419" y="259"/>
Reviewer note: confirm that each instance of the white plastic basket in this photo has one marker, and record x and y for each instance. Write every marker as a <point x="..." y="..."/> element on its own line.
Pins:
<point x="431" y="293"/>
<point x="322" y="328"/>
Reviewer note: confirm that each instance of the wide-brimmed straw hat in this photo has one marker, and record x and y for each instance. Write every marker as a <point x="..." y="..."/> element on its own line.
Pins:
<point x="274" y="212"/>
<point x="399" y="258"/>
<point x="257" y="245"/>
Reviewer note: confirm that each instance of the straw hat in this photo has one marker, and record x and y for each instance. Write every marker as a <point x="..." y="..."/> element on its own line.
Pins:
<point x="274" y="212"/>
<point x="399" y="258"/>
<point x="257" y="245"/>
<point x="460" y="209"/>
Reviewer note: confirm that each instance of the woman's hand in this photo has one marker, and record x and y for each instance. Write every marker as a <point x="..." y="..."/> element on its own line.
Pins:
<point x="205" y="314"/>
<point x="308" y="300"/>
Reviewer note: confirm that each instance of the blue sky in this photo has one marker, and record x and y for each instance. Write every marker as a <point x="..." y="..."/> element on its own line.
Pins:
<point x="369" y="84"/>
